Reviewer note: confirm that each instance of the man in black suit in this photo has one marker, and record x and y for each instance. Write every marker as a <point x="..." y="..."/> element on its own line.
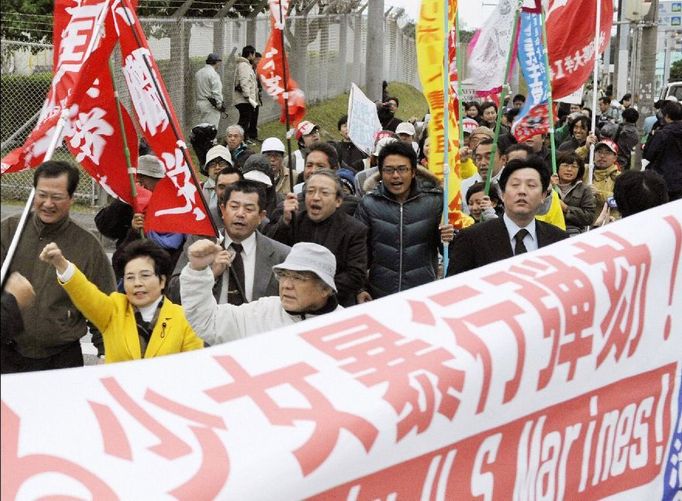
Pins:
<point x="523" y="184"/>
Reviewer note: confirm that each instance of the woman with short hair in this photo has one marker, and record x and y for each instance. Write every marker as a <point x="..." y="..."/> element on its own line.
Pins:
<point x="139" y="323"/>
<point x="577" y="199"/>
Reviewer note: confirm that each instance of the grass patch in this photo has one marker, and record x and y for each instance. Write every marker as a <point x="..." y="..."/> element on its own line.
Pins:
<point x="327" y="113"/>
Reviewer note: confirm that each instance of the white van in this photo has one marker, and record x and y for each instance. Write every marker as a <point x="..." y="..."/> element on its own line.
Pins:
<point x="673" y="89"/>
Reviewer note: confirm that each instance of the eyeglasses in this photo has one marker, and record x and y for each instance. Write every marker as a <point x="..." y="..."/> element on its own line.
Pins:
<point x="311" y="192"/>
<point x="55" y="197"/>
<point x="143" y="276"/>
<point x="403" y="169"/>
<point x="293" y="275"/>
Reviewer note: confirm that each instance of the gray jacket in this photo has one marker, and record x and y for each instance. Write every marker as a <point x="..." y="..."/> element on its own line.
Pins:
<point x="269" y="253"/>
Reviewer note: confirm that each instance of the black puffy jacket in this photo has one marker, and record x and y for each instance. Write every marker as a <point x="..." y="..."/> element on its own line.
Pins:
<point x="403" y="238"/>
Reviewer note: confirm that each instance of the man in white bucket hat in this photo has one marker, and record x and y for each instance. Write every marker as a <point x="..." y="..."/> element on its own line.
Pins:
<point x="306" y="289"/>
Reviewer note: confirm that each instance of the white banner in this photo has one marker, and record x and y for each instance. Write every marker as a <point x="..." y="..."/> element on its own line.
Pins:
<point x="363" y="121"/>
<point x="551" y="375"/>
<point x="573" y="98"/>
<point x="489" y="50"/>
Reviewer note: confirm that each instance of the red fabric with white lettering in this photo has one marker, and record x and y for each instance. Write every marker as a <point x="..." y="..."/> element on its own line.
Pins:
<point x="83" y="85"/>
<point x="272" y="68"/>
<point x="570" y="38"/>
<point x="176" y="204"/>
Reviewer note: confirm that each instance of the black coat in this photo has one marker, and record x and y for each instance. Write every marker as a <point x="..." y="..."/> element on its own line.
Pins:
<point x="664" y="151"/>
<point x="344" y="236"/>
<point x="489" y="242"/>
<point x="403" y="238"/>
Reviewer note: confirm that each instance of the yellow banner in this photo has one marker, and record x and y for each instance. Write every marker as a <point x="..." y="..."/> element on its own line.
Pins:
<point x="430" y="55"/>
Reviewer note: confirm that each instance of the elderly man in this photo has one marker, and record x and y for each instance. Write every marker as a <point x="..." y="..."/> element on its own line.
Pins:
<point x="209" y="92"/>
<point x="274" y="150"/>
<point x="306" y="289"/>
<point x="322" y="223"/>
<point x="239" y="150"/>
<point x="52" y="325"/>
<point x="217" y="158"/>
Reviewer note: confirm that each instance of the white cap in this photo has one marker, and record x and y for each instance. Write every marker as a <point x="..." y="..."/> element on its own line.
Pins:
<point x="381" y="143"/>
<point x="149" y="165"/>
<point x="258" y="176"/>
<point x="405" y="128"/>
<point x="272" y="144"/>
<point x="307" y="256"/>
<point x="218" y="151"/>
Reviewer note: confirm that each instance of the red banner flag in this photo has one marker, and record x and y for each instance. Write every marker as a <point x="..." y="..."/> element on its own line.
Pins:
<point x="570" y="39"/>
<point x="176" y="204"/>
<point x="273" y="67"/>
<point x="82" y="85"/>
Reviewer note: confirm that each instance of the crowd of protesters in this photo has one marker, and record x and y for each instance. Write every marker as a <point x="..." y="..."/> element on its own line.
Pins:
<point x="347" y="228"/>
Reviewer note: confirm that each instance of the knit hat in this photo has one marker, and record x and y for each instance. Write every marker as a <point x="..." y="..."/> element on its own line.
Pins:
<point x="257" y="168"/>
<point x="484" y="130"/>
<point x="307" y="256"/>
<point x="149" y="165"/>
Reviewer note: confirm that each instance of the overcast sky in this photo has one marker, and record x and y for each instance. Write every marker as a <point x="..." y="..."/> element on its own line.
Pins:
<point x="472" y="12"/>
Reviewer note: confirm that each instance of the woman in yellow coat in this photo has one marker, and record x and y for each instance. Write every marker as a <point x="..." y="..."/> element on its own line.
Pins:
<point x="141" y="323"/>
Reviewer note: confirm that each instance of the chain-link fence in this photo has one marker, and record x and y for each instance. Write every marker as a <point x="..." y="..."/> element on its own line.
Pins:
<point x="326" y="53"/>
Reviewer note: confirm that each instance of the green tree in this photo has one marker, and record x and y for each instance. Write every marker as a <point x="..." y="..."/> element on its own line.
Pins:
<point x="27" y="20"/>
<point x="676" y="71"/>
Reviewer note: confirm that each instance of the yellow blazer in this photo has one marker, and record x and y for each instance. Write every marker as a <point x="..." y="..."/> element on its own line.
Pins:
<point x="114" y="316"/>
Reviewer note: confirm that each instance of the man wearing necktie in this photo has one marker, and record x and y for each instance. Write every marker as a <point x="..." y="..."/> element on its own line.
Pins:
<point x="242" y="271"/>
<point x="523" y="184"/>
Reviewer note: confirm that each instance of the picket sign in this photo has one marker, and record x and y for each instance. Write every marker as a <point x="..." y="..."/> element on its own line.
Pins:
<point x="363" y="120"/>
<point x="552" y="375"/>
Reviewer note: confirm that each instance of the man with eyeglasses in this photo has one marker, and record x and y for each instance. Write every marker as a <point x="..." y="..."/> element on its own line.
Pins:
<point x="53" y="326"/>
<point x="403" y="217"/>
<point x="306" y="289"/>
<point x="322" y="223"/>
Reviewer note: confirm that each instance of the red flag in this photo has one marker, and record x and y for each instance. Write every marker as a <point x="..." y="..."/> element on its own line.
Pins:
<point x="84" y="37"/>
<point x="176" y="204"/>
<point x="570" y="38"/>
<point x="272" y="68"/>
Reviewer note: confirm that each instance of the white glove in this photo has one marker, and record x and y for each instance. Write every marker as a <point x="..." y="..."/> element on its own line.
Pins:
<point x="253" y="103"/>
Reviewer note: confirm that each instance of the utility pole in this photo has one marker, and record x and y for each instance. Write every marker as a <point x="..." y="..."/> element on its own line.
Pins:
<point x="375" y="48"/>
<point x="647" y="67"/>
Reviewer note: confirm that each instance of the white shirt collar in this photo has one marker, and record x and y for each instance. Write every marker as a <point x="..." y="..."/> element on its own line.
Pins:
<point x="513" y="228"/>
<point x="249" y="243"/>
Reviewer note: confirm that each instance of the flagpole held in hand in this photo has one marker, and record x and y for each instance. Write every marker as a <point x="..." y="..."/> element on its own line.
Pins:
<point x="595" y="76"/>
<point x="503" y="96"/>
<point x="285" y="96"/>
<point x="446" y="119"/>
<point x="54" y="142"/>
<point x="550" y="103"/>
<point x="126" y="149"/>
